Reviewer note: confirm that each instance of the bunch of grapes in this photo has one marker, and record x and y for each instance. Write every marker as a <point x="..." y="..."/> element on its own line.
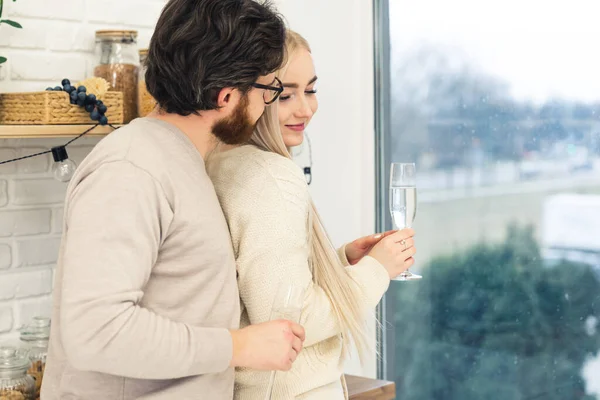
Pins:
<point x="78" y="96"/>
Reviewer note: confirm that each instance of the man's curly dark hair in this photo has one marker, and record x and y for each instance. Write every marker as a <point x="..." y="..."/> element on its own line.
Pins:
<point x="202" y="46"/>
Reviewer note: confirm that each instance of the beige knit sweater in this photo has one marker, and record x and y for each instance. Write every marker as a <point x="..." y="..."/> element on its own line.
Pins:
<point x="266" y="203"/>
<point x="145" y="288"/>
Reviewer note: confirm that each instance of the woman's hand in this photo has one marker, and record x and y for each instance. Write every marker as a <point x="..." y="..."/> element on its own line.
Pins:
<point x="395" y="252"/>
<point x="359" y="248"/>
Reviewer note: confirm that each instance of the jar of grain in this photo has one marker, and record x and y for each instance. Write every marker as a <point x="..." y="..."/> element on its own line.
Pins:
<point x="35" y="338"/>
<point x="117" y="61"/>
<point x="146" y="102"/>
<point x="15" y="384"/>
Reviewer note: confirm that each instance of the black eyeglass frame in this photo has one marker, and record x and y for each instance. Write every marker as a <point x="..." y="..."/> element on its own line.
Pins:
<point x="277" y="89"/>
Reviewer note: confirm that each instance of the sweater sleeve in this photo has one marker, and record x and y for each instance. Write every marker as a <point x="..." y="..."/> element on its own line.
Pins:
<point x="341" y="252"/>
<point x="270" y="227"/>
<point x="116" y="219"/>
<point x="365" y="272"/>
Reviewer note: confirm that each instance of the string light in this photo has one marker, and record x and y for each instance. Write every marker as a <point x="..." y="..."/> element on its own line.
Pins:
<point x="63" y="168"/>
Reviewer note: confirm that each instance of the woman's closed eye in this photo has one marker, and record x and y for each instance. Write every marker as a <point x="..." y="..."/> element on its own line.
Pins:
<point x="288" y="96"/>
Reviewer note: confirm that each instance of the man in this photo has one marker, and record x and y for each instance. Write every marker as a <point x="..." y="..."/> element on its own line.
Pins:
<point x="146" y="303"/>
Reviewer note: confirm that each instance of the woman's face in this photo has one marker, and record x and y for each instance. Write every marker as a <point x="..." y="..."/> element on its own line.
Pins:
<point x="298" y="102"/>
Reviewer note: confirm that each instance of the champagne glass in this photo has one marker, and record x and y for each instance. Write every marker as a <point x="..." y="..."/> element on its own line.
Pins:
<point x="286" y="305"/>
<point x="403" y="203"/>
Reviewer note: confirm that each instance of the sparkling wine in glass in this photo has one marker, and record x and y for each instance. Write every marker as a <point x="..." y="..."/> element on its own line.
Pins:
<point x="403" y="203"/>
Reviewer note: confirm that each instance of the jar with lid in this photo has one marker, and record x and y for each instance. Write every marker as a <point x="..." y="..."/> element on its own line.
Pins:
<point x="35" y="338"/>
<point x="117" y="61"/>
<point x="146" y="102"/>
<point x="15" y="384"/>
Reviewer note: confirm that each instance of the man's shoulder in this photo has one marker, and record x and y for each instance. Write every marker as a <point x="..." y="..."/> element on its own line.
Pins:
<point x="138" y="138"/>
<point x="148" y="144"/>
<point x="148" y="147"/>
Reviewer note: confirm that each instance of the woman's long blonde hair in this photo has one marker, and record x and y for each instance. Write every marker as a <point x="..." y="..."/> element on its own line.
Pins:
<point x="327" y="270"/>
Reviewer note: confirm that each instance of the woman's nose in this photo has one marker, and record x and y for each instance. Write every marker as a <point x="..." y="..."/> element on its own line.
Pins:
<point x="304" y="110"/>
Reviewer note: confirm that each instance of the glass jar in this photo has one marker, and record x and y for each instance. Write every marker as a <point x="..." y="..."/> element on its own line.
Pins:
<point x="15" y="384"/>
<point x="117" y="61"/>
<point x="35" y="338"/>
<point x="146" y="102"/>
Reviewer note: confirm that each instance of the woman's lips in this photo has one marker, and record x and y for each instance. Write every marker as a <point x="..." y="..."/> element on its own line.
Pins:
<point x="297" y="127"/>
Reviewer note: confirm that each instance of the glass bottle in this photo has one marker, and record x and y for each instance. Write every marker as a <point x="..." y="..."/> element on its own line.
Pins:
<point x="117" y="61"/>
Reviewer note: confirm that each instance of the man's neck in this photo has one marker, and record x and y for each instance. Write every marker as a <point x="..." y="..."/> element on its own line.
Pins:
<point x="196" y="128"/>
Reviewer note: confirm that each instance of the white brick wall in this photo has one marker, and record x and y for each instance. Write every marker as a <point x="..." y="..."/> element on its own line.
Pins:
<point x="31" y="207"/>
<point x="57" y="39"/>
<point x="56" y="42"/>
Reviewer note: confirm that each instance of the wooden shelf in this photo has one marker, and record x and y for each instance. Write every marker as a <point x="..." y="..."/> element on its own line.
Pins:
<point x="360" y="388"/>
<point x="50" y="131"/>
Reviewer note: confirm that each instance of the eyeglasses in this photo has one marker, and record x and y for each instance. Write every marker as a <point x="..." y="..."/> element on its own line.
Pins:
<point x="271" y="92"/>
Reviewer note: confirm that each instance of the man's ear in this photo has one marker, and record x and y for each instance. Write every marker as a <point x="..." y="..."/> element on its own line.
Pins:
<point x="226" y="98"/>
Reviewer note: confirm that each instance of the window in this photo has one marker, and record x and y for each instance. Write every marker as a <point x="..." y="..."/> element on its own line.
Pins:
<point x="498" y="104"/>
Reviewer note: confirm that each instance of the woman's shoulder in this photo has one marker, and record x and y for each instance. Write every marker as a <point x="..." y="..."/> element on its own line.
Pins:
<point x="247" y="165"/>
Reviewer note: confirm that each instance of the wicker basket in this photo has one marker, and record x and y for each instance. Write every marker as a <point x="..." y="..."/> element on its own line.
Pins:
<point x="53" y="108"/>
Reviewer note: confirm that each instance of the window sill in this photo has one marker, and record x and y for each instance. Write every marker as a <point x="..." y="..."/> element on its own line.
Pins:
<point x="360" y="388"/>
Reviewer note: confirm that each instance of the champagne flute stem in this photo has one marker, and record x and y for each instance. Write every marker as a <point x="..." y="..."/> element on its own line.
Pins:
<point x="270" y="387"/>
<point x="272" y="377"/>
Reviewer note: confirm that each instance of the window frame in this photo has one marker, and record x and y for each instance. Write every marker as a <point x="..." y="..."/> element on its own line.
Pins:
<point x="382" y="81"/>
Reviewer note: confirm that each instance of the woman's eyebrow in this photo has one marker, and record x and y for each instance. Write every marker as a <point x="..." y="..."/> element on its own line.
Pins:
<point x="295" y="85"/>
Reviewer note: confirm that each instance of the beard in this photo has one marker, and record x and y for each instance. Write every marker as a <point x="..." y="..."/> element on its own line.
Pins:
<point x="236" y="128"/>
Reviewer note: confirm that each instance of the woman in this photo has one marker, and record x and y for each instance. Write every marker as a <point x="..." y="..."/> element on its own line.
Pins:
<point x="278" y="237"/>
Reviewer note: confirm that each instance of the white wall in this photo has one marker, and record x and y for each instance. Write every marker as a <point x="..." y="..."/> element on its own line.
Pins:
<point x="340" y="33"/>
<point x="30" y="225"/>
<point x="342" y="131"/>
<point x="57" y="41"/>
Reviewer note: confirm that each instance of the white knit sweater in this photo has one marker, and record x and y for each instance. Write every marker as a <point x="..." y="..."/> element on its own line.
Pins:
<point x="266" y="202"/>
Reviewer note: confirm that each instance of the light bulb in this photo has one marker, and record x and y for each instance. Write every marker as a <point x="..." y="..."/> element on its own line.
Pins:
<point x="63" y="168"/>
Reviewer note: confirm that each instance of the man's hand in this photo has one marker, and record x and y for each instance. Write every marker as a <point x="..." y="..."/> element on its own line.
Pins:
<point x="359" y="248"/>
<point x="270" y="346"/>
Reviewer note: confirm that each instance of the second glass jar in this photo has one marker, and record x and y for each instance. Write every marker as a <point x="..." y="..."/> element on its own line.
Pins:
<point x="146" y="102"/>
<point x="35" y="338"/>
<point x="117" y="61"/>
